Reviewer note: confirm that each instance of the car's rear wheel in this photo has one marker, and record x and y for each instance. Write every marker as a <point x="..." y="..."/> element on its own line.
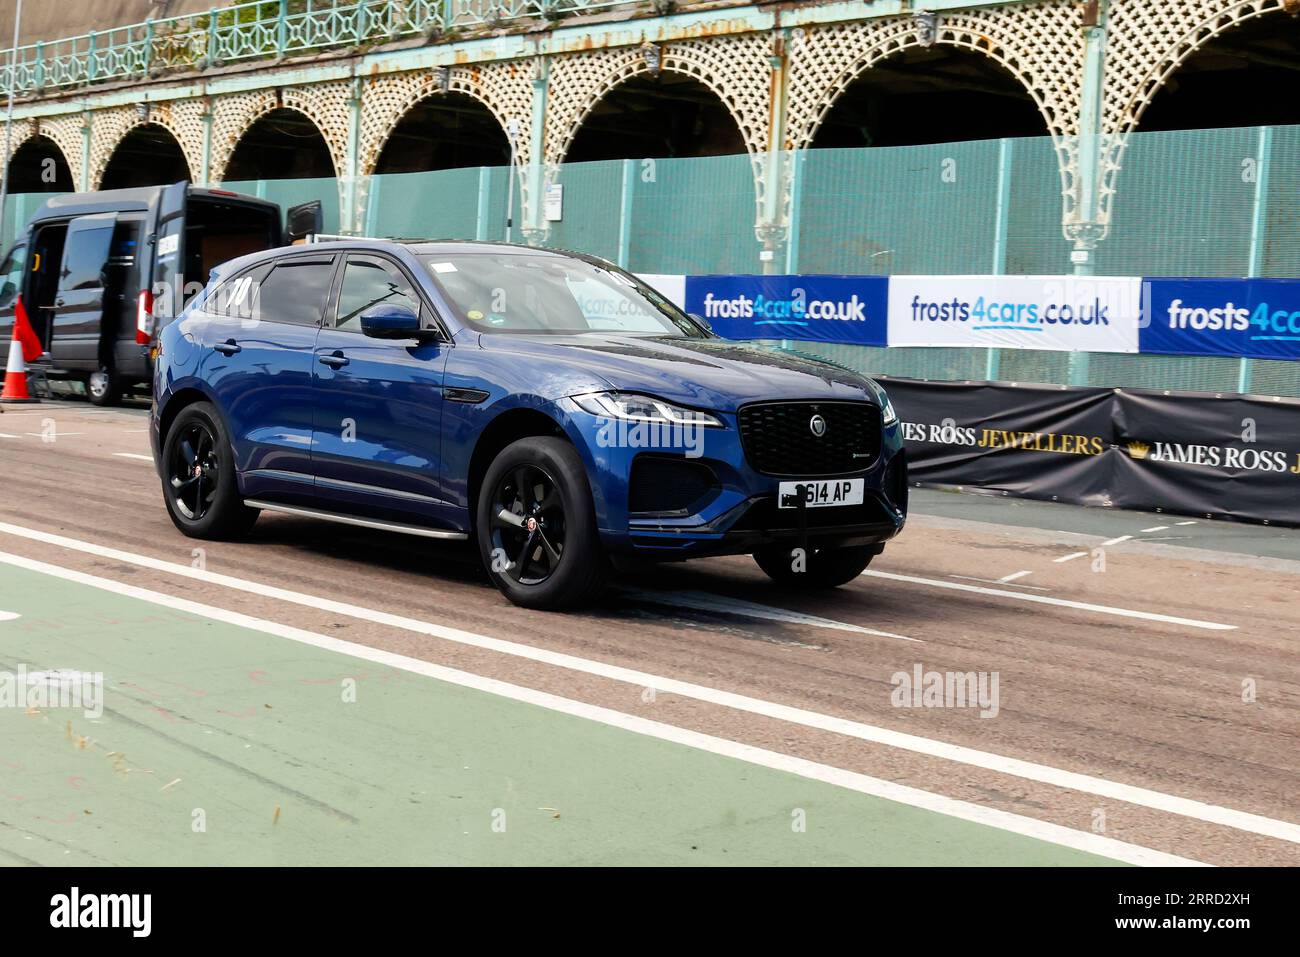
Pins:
<point x="199" y="481"/>
<point x="536" y="526"/>
<point x="818" y="567"/>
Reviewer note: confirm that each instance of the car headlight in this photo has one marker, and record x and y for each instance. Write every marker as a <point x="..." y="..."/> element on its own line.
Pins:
<point x="642" y="408"/>
<point x="887" y="414"/>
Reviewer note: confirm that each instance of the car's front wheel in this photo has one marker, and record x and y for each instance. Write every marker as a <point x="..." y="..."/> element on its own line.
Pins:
<point x="103" y="387"/>
<point x="815" y="567"/>
<point x="536" y="526"/>
<point x="199" y="481"/>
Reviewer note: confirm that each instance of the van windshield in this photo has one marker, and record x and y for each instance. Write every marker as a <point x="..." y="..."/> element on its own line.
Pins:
<point x="543" y="293"/>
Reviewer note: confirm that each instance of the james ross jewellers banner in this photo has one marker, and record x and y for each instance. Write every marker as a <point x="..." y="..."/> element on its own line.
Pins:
<point x="1232" y="457"/>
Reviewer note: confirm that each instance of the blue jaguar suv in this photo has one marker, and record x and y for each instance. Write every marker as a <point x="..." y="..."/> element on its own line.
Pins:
<point x="550" y="406"/>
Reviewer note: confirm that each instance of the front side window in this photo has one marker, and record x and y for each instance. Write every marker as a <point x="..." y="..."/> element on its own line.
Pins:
<point x="11" y="276"/>
<point x="370" y="281"/>
<point x="295" y="291"/>
<point x="543" y="293"/>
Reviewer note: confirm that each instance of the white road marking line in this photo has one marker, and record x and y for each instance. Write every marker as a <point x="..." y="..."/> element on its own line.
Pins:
<point x="1130" y="794"/>
<point x="1186" y="523"/>
<point x="996" y="581"/>
<point x="1154" y="528"/>
<point x="6" y="435"/>
<point x="1116" y="541"/>
<point x="1029" y="827"/>
<point x="134" y="431"/>
<point x="51" y="436"/>
<point x="1045" y="600"/>
<point x="703" y="601"/>
<point x="1013" y="576"/>
<point x="9" y="615"/>
<point x="135" y="455"/>
<point x="1070" y="557"/>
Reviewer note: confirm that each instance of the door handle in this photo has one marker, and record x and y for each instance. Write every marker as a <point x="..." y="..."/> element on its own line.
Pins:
<point x="228" y="348"/>
<point x="336" y="360"/>
<point x="58" y="303"/>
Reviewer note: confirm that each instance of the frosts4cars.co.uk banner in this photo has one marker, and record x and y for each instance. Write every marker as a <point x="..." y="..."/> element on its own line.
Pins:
<point x="1255" y="318"/>
<point x="850" y="309"/>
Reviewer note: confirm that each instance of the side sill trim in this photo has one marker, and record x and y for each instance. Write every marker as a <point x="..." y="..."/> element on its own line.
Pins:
<point x="354" y="520"/>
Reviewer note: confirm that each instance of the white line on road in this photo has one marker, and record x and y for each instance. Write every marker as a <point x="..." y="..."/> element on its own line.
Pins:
<point x="1154" y="528"/>
<point x="851" y="780"/>
<point x="134" y="455"/>
<point x="1186" y="523"/>
<point x="1045" y="600"/>
<point x="6" y="435"/>
<point x="9" y="615"/>
<point x="703" y="601"/>
<point x="1070" y="557"/>
<point x="1130" y="794"/>
<point x="51" y="436"/>
<point x="1013" y="576"/>
<point x="1116" y="541"/>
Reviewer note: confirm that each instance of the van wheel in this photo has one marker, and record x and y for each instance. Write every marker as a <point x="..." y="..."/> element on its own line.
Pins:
<point x="104" y="387"/>
<point x="536" y="526"/>
<point x="198" y="477"/>
<point x="821" y="567"/>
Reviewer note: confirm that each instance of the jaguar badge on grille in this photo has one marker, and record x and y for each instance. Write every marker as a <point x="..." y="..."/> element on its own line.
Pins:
<point x="818" y="426"/>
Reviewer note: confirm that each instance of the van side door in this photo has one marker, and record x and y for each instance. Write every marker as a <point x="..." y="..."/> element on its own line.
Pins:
<point x="79" y="303"/>
<point x="12" y="273"/>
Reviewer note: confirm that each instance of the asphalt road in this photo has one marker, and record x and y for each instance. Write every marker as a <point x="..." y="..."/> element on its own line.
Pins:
<point x="1146" y="671"/>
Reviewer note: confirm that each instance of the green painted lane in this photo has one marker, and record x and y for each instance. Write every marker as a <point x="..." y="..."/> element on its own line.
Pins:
<point x="224" y="745"/>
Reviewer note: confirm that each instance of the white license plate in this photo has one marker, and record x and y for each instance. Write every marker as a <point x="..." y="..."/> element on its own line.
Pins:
<point x="819" y="494"/>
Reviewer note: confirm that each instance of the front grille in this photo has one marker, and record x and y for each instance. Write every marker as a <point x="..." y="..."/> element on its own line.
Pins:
<point x="779" y="440"/>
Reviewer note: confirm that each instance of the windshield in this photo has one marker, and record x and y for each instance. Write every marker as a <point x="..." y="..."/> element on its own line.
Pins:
<point x="543" y="293"/>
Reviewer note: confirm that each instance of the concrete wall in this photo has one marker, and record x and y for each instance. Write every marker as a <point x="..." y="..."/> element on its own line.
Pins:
<point x="52" y="19"/>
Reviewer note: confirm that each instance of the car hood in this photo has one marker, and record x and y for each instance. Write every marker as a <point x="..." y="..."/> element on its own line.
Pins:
<point x="707" y="373"/>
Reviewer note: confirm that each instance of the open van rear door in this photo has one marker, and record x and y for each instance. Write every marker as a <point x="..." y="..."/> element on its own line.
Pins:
<point x="78" y="310"/>
<point x="162" y="274"/>
<point x="304" y="221"/>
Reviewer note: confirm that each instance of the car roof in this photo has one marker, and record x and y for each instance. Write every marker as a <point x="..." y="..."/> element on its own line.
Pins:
<point x="134" y="199"/>
<point x="416" y="247"/>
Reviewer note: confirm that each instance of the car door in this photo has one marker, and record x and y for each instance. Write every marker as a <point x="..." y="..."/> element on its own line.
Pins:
<point x="259" y="332"/>
<point x="79" y="302"/>
<point x="376" y="443"/>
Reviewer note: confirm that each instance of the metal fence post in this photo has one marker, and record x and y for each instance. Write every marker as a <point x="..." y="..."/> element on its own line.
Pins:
<point x="796" y="159"/>
<point x="212" y="37"/>
<point x="90" y="59"/>
<point x="625" y="213"/>
<point x="148" y="45"/>
<point x="1001" y="213"/>
<point x="1258" y="229"/>
<point x="282" y="29"/>
<point x="483" y="224"/>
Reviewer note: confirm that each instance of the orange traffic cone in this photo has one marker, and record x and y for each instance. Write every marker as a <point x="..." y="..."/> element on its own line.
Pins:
<point x="16" y="374"/>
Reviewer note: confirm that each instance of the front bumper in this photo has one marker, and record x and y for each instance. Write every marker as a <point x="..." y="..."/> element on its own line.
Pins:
<point x="740" y="513"/>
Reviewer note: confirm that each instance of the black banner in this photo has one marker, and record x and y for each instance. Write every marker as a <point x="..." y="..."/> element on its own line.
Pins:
<point x="1232" y="457"/>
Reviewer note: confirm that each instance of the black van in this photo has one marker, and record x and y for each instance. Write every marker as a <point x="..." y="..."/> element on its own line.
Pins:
<point x="101" y="273"/>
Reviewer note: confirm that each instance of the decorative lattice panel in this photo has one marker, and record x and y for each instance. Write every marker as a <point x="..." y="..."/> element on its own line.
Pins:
<point x="231" y="117"/>
<point x="329" y="106"/>
<point x="1039" y="43"/>
<point x="505" y="88"/>
<point x="182" y="118"/>
<point x="1148" y="41"/>
<point x="735" y="68"/>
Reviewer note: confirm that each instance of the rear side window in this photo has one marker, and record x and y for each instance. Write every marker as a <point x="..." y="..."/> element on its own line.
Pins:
<point x="238" y="297"/>
<point x="295" y="291"/>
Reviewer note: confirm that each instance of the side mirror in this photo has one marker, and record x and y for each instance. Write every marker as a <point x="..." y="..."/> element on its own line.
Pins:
<point x="391" y="320"/>
<point x="702" y="321"/>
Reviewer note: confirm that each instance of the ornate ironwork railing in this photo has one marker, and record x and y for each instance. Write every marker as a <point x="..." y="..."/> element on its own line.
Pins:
<point x="262" y="29"/>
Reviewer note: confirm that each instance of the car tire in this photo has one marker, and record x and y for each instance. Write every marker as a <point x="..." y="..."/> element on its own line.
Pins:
<point x="822" y="568"/>
<point x="198" y="477"/>
<point x="546" y="552"/>
<point x="103" y="387"/>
